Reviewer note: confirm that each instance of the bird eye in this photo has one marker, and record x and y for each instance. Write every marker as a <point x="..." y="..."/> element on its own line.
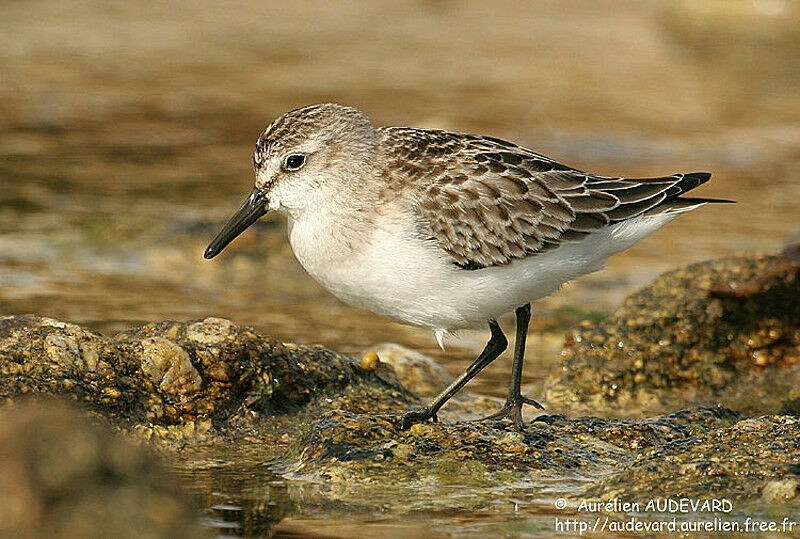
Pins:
<point x="295" y="161"/>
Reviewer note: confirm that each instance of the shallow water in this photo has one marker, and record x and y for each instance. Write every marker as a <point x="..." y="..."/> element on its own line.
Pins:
<point x="126" y="131"/>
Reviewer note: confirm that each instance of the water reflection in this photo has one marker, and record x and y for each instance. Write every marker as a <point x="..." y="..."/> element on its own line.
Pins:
<point x="241" y="495"/>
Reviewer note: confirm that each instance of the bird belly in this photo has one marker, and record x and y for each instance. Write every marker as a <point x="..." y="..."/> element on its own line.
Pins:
<point x="411" y="280"/>
<point x="394" y="275"/>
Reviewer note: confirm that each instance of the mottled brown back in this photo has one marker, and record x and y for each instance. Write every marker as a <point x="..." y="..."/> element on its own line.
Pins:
<point x="487" y="202"/>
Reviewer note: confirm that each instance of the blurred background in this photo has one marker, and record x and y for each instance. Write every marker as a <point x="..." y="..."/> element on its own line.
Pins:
<point x="127" y="129"/>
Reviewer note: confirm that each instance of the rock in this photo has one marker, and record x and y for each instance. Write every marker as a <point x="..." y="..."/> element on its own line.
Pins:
<point x="423" y="376"/>
<point x="724" y="331"/>
<point x="64" y="476"/>
<point x="417" y="371"/>
<point x="780" y="490"/>
<point x="743" y="461"/>
<point x="170" y="367"/>
<point x="207" y="376"/>
<point x="689" y="453"/>
<point x="323" y="419"/>
<point x="358" y="454"/>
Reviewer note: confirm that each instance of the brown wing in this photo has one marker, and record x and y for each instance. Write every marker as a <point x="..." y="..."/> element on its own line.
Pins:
<point x="487" y="202"/>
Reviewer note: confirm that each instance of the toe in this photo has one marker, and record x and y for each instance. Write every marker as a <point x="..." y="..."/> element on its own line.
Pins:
<point x="531" y="402"/>
<point x="416" y="416"/>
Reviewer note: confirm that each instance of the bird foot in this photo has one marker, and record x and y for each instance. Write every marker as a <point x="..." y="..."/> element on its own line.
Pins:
<point x="512" y="410"/>
<point x="417" y="416"/>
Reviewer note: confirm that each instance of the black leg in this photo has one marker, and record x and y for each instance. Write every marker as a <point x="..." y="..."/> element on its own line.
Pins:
<point x="523" y="320"/>
<point x="513" y="406"/>
<point x="496" y="346"/>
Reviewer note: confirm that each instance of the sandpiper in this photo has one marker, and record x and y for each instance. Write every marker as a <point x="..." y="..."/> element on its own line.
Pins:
<point x="444" y="230"/>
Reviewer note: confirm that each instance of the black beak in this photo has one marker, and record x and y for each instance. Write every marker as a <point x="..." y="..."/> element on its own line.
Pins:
<point x="256" y="205"/>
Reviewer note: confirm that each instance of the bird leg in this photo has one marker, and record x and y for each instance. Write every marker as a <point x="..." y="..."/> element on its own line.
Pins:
<point x="512" y="409"/>
<point x="496" y="346"/>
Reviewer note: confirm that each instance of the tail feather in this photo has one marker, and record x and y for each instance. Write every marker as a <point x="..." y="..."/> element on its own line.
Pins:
<point x="635" y="197"/>
<point x="675" y="203"/>
<point x="680" y="205"/>
<point x="689" y="182"/>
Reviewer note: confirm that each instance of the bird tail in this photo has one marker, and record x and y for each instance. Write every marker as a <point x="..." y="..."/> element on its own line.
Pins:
<point x="675" y="203"/>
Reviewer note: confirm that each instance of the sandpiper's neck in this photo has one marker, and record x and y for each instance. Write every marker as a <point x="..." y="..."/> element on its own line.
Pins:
<point x="331" y="228"/>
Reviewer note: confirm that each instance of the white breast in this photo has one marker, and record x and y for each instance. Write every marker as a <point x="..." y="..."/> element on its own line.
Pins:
<point x="385" y="269"/>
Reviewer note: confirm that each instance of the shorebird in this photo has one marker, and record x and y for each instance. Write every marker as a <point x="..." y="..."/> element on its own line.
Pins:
<point x="444" y="230"/>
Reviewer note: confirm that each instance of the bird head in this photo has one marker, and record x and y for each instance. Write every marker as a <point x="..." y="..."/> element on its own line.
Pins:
<point x="300" y="159"/>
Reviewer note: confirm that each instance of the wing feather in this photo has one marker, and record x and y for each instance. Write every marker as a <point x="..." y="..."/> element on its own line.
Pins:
<point x="488" y="202"/>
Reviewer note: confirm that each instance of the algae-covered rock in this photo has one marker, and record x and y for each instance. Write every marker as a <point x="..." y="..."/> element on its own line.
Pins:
<point x="550" y="443"/>
<point x="724" y="331"/>
<point x="197" y="376"/>
<point x="66" y="477"/>
<point x="698" y="453"/>
<point x="750" y="459"/>
<point x="718" y="331"/>
<point x="357" y="455"/>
